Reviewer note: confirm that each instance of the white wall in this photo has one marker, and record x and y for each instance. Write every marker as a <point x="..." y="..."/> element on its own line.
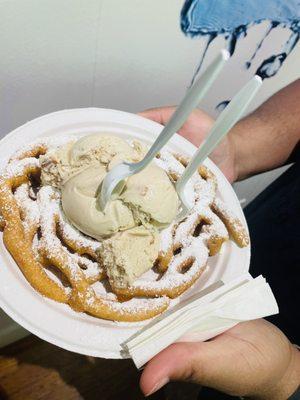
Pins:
<point x="127" y="54"/>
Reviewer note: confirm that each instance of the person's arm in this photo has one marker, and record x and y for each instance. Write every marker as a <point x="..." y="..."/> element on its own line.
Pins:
<point x="261" y="141"/>
<point x="254" y="359"/>
<point x="267" y="138"/>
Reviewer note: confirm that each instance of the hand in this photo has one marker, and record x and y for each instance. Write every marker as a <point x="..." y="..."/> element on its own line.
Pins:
<point x="253" y="359"/>
<point x="195" y="130"/>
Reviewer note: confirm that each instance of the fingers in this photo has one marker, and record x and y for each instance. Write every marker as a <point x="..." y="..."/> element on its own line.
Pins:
<point x="176" y="362"/>
<point x="213" y="364"/>
<point x="251" y="359"/>
<point x="195" y="127"/>
<point x="160" y="115"/>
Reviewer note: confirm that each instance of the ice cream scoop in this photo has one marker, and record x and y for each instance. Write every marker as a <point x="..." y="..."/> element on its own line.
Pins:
<point x="148" y="198"/>
<point x="128" y="228"/>
<point x="127" y="255"/>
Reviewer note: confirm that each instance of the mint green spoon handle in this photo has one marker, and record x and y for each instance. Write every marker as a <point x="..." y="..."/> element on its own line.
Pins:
<point x="191" y="100"/>
<point x="114" y="181"/>
<point x="221" y="127"/>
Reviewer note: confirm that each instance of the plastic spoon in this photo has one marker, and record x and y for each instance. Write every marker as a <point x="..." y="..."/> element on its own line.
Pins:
<point x="221" y="127"/>
<point x="113" y="182"/>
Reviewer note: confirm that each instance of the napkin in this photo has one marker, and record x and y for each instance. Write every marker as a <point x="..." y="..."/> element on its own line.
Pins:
<point x="203" y="316"/>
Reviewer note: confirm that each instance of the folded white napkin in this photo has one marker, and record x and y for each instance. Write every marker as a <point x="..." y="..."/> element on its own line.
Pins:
<point x="204" y="316"/>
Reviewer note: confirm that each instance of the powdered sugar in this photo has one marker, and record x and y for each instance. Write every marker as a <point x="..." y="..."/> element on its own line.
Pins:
<point x="137" y="305"/>
<point x="49" y="208"/>
<point x="48" y="143"/>
<point x="35" y="246"/>
<point x="205" y="190"/>
<point x="30" y="209"/>
<point x="166" y="238"/>
<point x="47" y="212"/>
<point x="196" y="253"/>
<point x="214" y="227"/>
<point x="18" y="167"/>
<point x="74" y="234"/>
<point x="236" y="227"/>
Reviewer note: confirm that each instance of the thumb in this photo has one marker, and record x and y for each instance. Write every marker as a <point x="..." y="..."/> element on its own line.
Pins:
<point x="176" y="362"/>
<point x="160" y="115"/>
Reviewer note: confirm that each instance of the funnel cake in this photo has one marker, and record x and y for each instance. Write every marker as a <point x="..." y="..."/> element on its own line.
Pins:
<point x="68" y="266"/>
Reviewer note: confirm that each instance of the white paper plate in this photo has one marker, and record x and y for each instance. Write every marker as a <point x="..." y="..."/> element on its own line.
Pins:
<point x="55" y="322"/>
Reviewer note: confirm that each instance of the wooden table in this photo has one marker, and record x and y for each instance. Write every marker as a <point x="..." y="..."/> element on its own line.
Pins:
<point x="32" y="369"/>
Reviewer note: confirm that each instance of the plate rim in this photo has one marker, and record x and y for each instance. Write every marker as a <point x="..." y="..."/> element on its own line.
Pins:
<point x="128" y="119"/>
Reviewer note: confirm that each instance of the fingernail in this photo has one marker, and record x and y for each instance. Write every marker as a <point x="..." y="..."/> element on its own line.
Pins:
<point x="158" y="386"/>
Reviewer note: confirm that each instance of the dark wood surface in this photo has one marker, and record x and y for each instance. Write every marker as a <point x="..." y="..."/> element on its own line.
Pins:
<point x="33" y="369"/>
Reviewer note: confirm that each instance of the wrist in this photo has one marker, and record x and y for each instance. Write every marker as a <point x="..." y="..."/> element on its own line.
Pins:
<point x="249" y="145"/>
<point x="285" y="387"/>
<point x="243" y="153"/>
<point x="233" y="145"/>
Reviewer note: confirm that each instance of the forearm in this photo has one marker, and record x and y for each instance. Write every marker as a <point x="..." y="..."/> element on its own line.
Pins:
<point x="266" y="139"/>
